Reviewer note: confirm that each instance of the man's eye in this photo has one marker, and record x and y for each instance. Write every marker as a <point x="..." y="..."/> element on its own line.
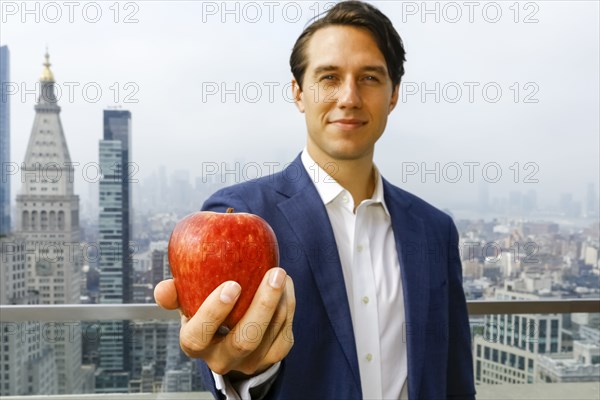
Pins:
<point x="372" y="78"/>
<point x="327" y="77"/>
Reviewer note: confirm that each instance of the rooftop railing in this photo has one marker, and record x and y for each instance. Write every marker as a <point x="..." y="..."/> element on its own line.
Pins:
<point x="104" y="312"/>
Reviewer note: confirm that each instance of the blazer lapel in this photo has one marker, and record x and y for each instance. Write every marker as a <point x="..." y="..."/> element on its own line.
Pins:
<point x="308" y="219"/>
<point x="411" y="245"/>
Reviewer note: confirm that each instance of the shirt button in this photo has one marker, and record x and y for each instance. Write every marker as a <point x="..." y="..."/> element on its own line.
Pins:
<point x="369" y="357"/>
<point x="365" y="299"/>
<point x="345" y="199"/>
<point x="359" y="248"/>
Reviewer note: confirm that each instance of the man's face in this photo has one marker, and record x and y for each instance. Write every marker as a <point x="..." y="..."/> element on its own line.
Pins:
<point x="347" y="94"/>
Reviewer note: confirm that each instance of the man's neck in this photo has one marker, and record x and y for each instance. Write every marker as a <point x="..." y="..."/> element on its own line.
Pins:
<point x="356" y="176"/>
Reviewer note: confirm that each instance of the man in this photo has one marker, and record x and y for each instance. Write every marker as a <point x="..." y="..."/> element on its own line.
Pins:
<point x="369" y="301"/>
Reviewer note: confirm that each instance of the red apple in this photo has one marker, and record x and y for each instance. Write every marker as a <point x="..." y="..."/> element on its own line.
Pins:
<point x="208" y="248"/>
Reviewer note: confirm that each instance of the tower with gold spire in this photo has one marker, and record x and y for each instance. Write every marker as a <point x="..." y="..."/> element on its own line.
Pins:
<point x="48" y="218"/>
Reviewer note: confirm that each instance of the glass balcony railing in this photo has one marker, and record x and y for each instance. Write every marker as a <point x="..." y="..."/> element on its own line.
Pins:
<point x="512" y="348"/>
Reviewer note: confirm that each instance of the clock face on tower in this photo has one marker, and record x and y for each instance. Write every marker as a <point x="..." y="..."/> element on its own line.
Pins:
<point x="43" y="268"/>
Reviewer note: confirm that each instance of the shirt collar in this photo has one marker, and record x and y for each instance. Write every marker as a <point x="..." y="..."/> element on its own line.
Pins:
<point x="328" y="188"/>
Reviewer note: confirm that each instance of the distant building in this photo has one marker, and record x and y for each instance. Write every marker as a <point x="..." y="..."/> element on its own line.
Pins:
<point x="582" y="365"/>
<point x="115" y="208"/>
<point x="4" y="140"/>
<point x="508" y="350"/>
<point x="115" y="262"/>
<point x="149" y="345"/>
<point x="484" y="198"/>
<point x="589" y="254"/>
<point x="540" y="228"/>
<point x="179" y="380"/>
<point x="143" y="293"/>
<point x="158" y="266"/>
<point x="529" y="203"/>
<point x="568" y="206"/>
<point x="515" y="203"/>
<point x="13" y="273"/>
<point x="27" y="364"/>
<point x="158" y="364"/>
<point x="591" y="201"/>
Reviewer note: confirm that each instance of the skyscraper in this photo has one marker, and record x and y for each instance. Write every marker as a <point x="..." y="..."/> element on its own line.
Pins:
<point x="48" y="220"/>
<point x="114" y="236"/>
<point x="116" y="149"/>
<point x="484" y="198"/>
<point x="591" y="201"/>
<point x="4" y="140"/>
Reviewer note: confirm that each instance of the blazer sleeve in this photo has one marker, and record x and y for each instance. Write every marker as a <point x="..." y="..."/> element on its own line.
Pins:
<point x="460" y="379"/>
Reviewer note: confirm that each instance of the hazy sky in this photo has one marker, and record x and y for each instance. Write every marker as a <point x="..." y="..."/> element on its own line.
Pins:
<point x="174" y="58"/>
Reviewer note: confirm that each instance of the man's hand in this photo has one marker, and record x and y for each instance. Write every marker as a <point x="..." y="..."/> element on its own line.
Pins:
<point x="260" y="339"/>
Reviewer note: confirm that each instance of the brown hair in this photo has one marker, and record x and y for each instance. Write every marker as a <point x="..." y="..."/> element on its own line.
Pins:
<point x="358" y="14"/>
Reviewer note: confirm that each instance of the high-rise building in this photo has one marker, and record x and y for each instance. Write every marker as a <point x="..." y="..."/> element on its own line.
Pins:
<point x="580" y="365"/>
<point x="115" y="206"/>
<point x="150" y="345"/>
<point x="115" y="262"/>
<point x="484" y="198"/>
<point x="48" y="219"/>
<point x="530" y="202"/>
<point x="515" y="203"/>
<point x="13" y="289"/>
<point x="591" y="201"/>
<point x="180" y="379"/>
<point x="508" y="352"/>
<point x="27" y="365"/>
<point x="159" y="258"/>
<point x="568" y="206"/>
<point x="4" y="140"/>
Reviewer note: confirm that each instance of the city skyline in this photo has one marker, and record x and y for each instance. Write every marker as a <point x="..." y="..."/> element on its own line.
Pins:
<point x="187" y="143"/>
<point x="547" y="139"/>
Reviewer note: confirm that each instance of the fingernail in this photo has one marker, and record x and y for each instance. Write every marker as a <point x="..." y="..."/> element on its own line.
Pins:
<point x="276" y="278"/>
<point x="230" y="292"/>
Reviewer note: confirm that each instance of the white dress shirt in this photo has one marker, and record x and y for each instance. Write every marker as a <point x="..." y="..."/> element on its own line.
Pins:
<point x="371" y="270"/>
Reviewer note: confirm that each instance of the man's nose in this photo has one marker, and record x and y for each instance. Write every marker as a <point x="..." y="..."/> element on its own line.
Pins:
<point x="349" y="95"/>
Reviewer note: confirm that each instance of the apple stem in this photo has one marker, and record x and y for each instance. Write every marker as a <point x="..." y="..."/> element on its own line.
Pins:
<point x="229" y="210"/>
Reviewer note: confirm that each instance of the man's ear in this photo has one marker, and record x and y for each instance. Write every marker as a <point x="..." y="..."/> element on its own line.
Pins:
<point x="394" y="100"/>
<point x="297" y="93"/>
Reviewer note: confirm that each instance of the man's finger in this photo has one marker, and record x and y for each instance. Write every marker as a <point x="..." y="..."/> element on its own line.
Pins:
<point x="247" y="335"/>
<point x="199" y="330"/>
<point x="165" y="294"/>
<point x="284" y="340"/>
<point x="278" y="337"/>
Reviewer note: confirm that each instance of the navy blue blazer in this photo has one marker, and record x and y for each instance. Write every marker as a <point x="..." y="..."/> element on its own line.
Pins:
<point x="323" y="363"/>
